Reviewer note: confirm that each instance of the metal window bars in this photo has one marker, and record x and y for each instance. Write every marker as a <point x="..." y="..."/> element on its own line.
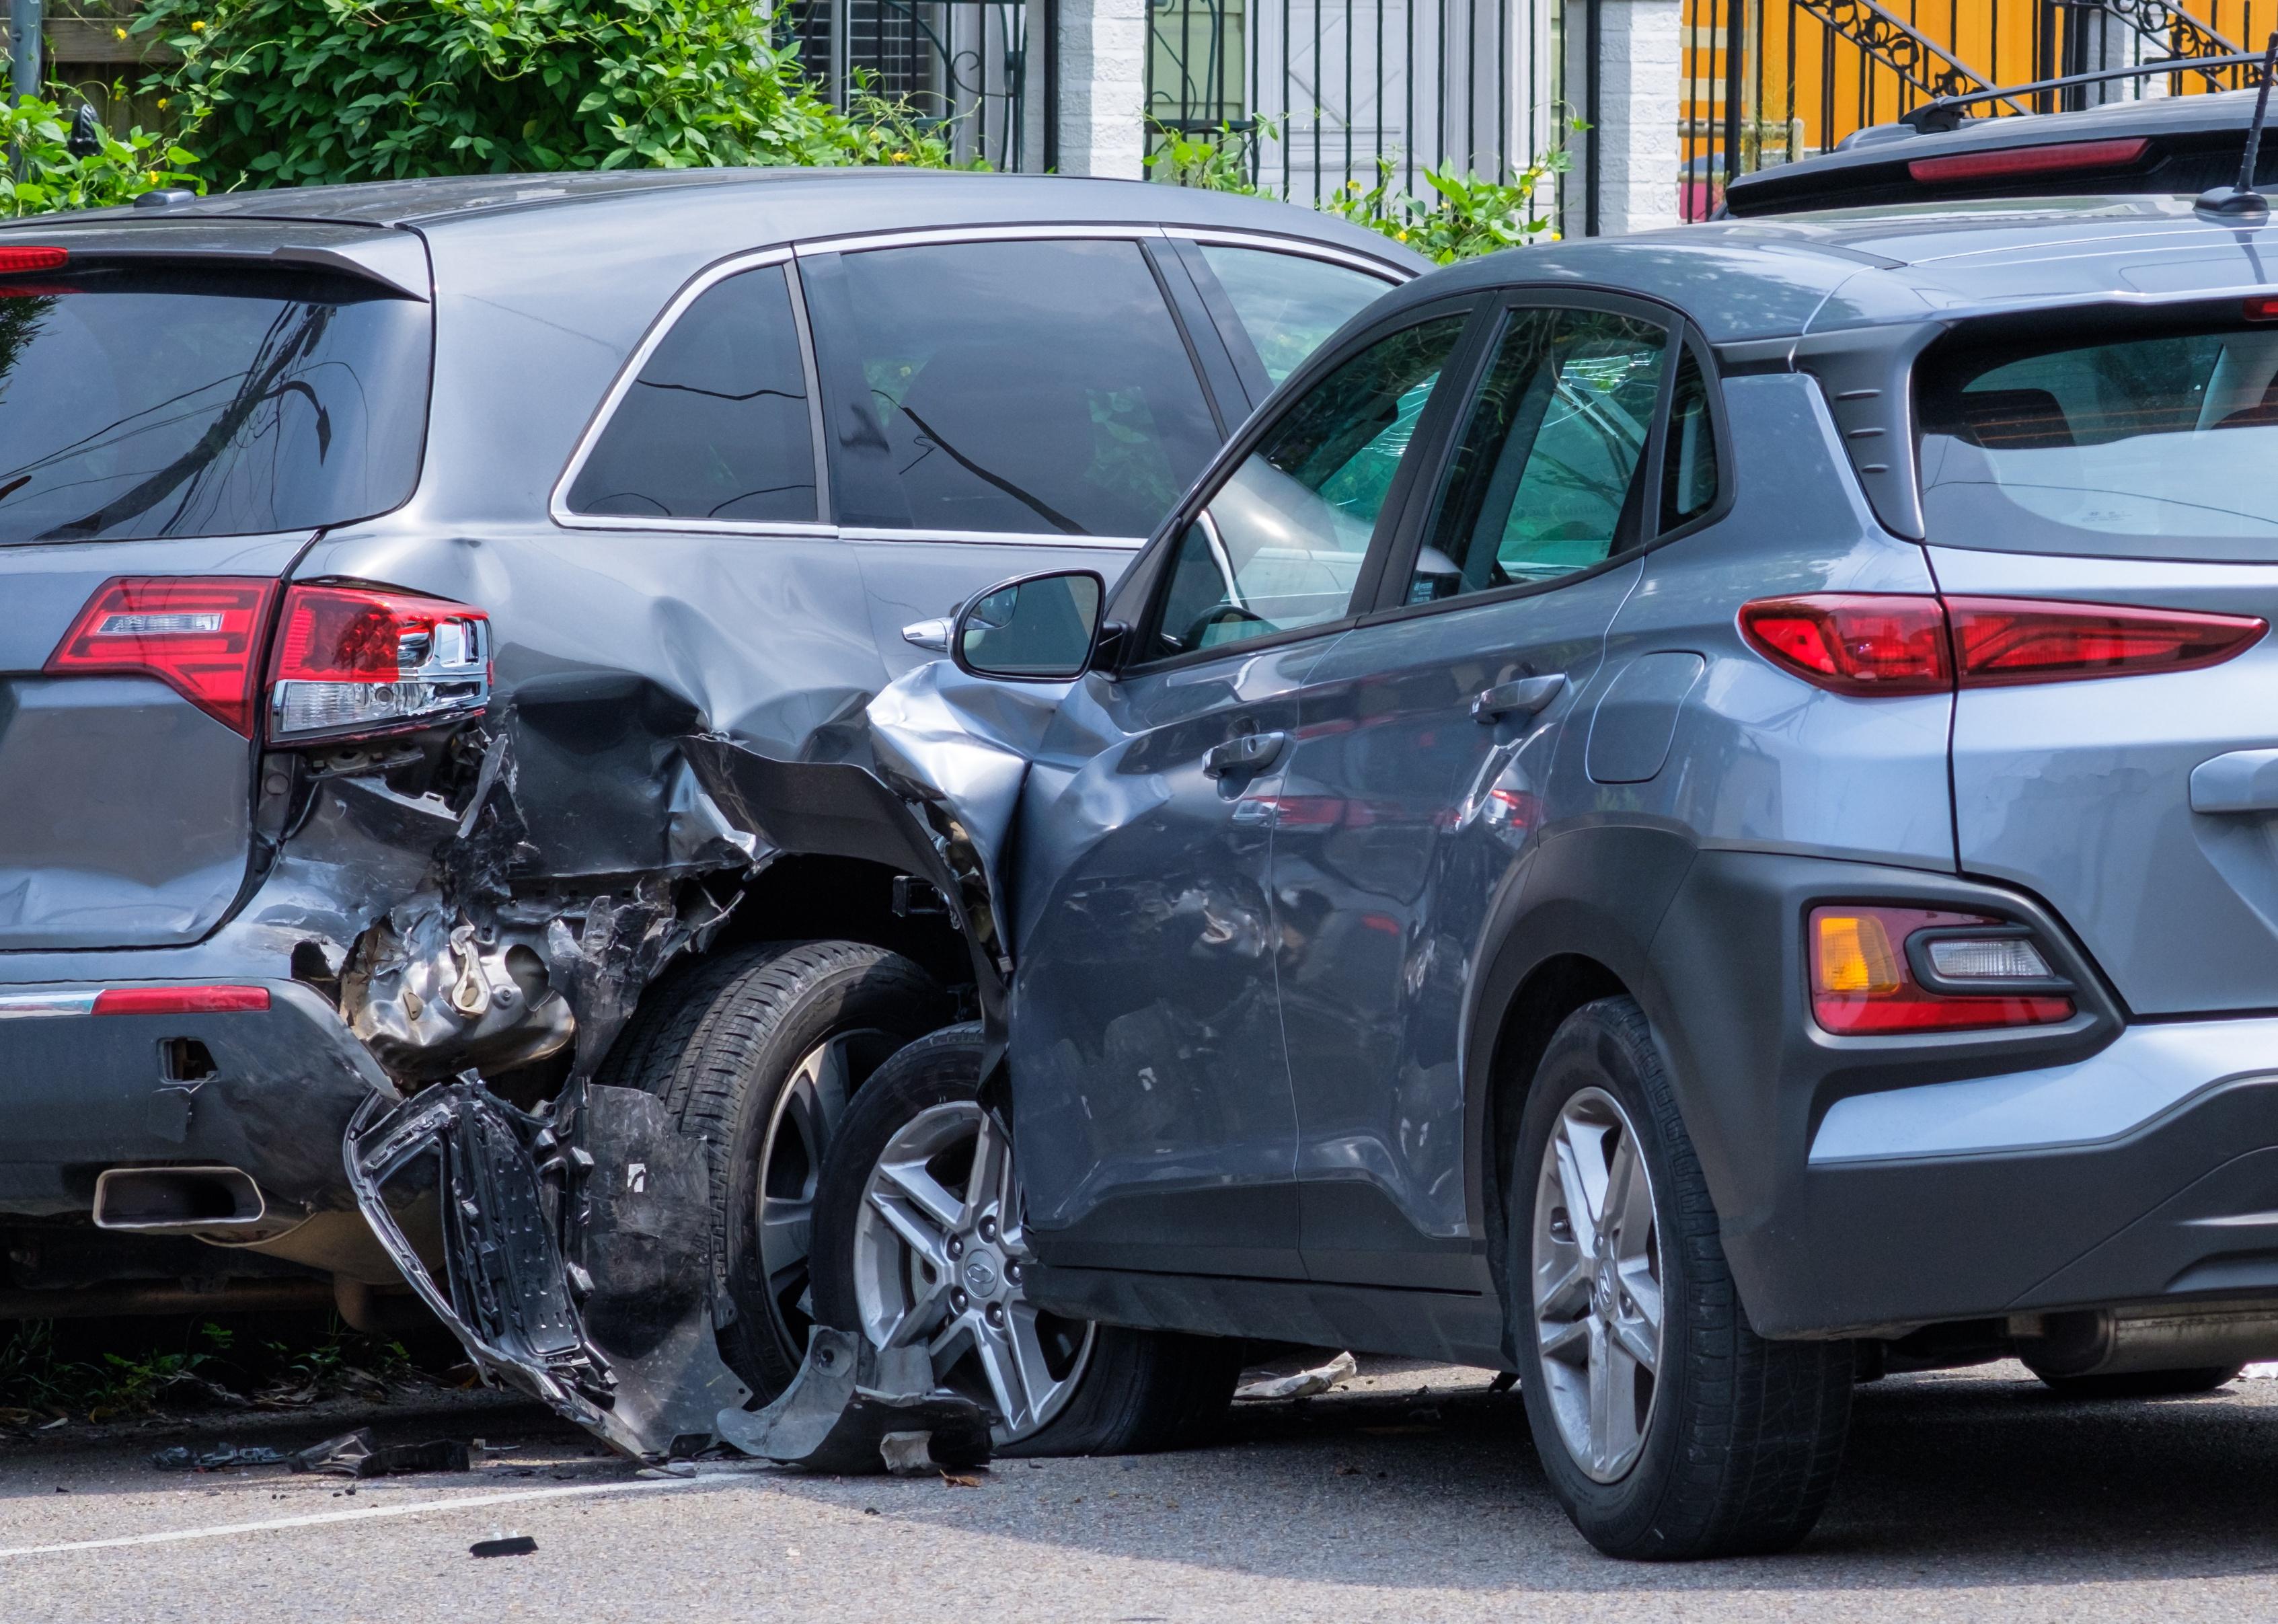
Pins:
<point x="957" y="67"/>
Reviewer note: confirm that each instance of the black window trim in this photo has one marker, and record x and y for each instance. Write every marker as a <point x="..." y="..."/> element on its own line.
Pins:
<point x="1242" y="349"/>
<point x="1422" y="496"/>
<point x="1151" y="581"/>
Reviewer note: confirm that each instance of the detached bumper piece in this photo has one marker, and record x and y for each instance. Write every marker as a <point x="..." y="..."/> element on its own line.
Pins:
<point x="853" y="1410"/>
<point x="571" y="1252"/>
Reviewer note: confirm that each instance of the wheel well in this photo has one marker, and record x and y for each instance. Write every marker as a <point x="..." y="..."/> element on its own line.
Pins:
<point x="1552" y="991"/>
<point x="845" y="899"/>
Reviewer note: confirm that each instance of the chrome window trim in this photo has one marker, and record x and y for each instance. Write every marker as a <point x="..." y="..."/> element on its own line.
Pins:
<point x="558" y="506"/>
<point x="1016" y="539"/>
<point x="934" y="236"/>
<point x="1395" y="275"/>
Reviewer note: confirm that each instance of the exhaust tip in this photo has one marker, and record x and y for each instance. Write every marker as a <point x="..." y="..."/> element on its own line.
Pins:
<point x="177" y="1198"/>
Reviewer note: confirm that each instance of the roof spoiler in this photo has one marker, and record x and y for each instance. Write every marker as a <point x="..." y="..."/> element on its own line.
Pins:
<point x="394" y="260"/>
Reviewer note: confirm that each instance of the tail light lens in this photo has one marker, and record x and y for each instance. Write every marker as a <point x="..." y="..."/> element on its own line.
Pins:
<point x="178" y="999"/>
<point x="1855" y="643"/>
<point x="2004" y="640"/>
<point x="1865" y="981"/>
<point x="200" y="636"/>
<point x="1869" y="644"/>
<point x="2017" y="162"/>
<point x="352" y="661"/>
<point x="16" y="260"/>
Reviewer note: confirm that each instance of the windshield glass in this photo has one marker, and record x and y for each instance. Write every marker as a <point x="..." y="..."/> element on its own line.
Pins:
<point x="142" y="404"/>
<point x="2147" y="446"/>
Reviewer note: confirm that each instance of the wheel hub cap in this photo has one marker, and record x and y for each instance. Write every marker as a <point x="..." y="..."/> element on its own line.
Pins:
<point x="938" y="1251"/>
<point x="1597" y="1284"/>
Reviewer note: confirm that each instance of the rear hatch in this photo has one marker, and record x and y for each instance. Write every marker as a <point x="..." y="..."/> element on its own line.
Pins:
<point x="182" y="406"/>
<point x="2123" y="767"/>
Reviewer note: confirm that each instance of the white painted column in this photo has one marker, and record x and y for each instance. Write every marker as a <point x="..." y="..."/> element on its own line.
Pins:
<point x="1641" y="66"/>
<point x="1102" y="83"/>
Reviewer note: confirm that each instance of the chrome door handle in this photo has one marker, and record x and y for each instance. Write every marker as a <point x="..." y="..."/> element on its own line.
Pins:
<point x="1520" y="698"/>
<point x="1243" y="755"/>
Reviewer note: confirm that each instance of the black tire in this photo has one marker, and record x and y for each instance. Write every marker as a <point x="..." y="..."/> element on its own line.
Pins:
<point x="718" y="1043"/>
<point x="1141" y="1390"/>
<point x="1741" y="1437"/>
<point x="2142" y="1383"/>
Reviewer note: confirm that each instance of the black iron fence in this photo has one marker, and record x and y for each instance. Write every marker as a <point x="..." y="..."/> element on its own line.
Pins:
<point x="1320" y="93"/>
<point x="1768" y="82"/>
<point x="960" y="66"/>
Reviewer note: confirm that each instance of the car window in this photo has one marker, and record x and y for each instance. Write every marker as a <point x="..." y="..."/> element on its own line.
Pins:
<point x="1688" y="461"/>
<point x="1280" y="544"/>
<point x="1285" y="304"/>
<point x="1010" y="386"/>
<point x="1546" y="475"/>
<point x="147" y="401"/>
<point x="2111" y="442"/>
<point x="718" y="425"/>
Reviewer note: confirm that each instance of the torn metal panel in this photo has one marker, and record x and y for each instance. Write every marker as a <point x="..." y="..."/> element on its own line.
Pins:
<point x="612" y="1329"/>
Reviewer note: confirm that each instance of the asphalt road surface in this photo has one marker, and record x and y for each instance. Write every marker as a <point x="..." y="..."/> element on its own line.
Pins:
<point x="1410" y="1494"/>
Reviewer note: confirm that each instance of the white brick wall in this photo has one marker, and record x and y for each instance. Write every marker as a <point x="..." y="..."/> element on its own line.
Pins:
<point x="1641" y="66"/>
<point x="1103" y="71"/>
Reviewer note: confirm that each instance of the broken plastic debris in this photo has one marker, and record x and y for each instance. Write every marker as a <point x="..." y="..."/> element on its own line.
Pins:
<point x="356" y="1454"/>
<point x="847" y="1400"/>
<point x="220" y="1458"/>
<point x="1305" y="1384"/>
<point x="505" y="1544"/>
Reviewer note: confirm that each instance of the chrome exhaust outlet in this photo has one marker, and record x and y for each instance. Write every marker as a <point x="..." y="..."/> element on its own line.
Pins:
<point x="180" y="1201"/>
<point x="2129" y="1341"/>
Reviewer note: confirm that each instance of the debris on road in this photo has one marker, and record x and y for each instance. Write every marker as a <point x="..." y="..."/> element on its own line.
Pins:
<point x="1305" y="1384"/>
<point x="850" y="1401"/>
<point x="219" y="1457"/>
<point x="505" y="1544"/>
<point x="356" y="1454"/>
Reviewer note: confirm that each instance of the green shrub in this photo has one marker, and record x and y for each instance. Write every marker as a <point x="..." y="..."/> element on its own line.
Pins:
<point x="47" y="175"/>
<point x="300" y="92"/>
<point x="1463" y="216"/>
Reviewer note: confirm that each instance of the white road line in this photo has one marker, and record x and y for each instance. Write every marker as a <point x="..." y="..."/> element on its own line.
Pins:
<point x="366" y="1512"/>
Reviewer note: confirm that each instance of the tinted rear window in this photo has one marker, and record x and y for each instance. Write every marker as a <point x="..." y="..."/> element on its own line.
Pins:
<point x="1014" y="386"/>
<point x="137" y="404"/>
<point x="2152" y="446"/>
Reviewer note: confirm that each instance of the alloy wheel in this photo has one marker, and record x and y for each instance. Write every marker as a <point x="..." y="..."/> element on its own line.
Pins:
<point x="939" y="1257"/>
<point x="1597" y="1284"/>
<point x="799" y="1129"/>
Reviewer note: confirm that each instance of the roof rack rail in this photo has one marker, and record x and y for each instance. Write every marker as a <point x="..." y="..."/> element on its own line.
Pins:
<point x="1934" y="117"/>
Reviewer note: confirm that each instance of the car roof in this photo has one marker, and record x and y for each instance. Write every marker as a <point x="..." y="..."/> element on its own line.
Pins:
<point x="795" y="205"/>
<point x="1789" y="275"/>
<point x="1875" y="160"/>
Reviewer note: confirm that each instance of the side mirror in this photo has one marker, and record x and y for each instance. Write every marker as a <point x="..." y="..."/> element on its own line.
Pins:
<point x="1040" y="628"/>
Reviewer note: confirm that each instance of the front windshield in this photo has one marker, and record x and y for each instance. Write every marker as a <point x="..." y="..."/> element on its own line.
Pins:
<point x="2142" y="446"/>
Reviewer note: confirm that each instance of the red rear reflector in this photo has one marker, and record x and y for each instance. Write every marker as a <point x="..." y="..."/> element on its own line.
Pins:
<point x="200" y="635"/>
<point x="2262" y="309"/>
<point x="1855" y="643"/>
<point x="2006" y="640"/>
<point x="179" y="1000"/>
<point x="2016" y="163"/>
<point x="1861" y="984"/>
<point x="15" y="262"/>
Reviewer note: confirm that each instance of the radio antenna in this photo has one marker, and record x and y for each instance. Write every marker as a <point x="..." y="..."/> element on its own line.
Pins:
<point x="2243" y="199"/>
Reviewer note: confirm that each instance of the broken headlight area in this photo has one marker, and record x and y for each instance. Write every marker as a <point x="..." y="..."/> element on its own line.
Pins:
<point x="568" y="1250"/>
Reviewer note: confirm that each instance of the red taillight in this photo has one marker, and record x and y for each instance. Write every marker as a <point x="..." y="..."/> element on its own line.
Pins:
<point x="2016" y="163"/>
<point x="1863" y="983"/>
<point x="179" y="1000"/>
<point x="1865" y="644"/>
<point x="1855" y="643"/>
<point x="2005" y="640"/>
<point x="16" y="261"/>
<point x="2262" y="309"/>
<point x="200" y="635"/>
<point x="352" y="660"/>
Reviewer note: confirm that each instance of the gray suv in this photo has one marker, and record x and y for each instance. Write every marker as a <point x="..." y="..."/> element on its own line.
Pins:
<point x="429" y="609"/>
<point x="1693" y="817"/>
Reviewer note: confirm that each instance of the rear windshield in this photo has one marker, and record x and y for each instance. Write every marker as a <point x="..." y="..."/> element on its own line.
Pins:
<point x="137" y="404"/>
<point x="2154" y="446"/>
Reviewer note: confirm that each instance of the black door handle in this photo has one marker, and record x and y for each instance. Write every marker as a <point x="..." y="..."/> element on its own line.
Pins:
<point x="1520" y="698"/>
<point x="1243" y="755"/>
